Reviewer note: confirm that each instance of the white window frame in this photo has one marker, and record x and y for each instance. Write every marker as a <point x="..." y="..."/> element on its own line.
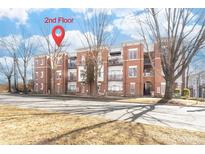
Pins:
<point x="41" y="62"/>
<point x="132" y="50"/>
<point x="42" y="74"/>
<point x="58" y="73"/>
<point x="36" y="86"/>
<point x="131" y="67"/>
<point x="36" y="61"/>
<point x="41" y="86"/>
<point x="134" y="92"/>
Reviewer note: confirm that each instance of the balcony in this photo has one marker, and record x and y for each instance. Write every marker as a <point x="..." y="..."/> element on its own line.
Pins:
<point x="147" y="62"/>
<point x="115" y="77"/>
<point x="72" y="66"/>
<point x="72" y="78"/>
<point x="115" y="61"/>
<point x="148" y="74"/>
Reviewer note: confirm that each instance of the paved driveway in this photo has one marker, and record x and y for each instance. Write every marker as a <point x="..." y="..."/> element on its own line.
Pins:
<point x="192" y="118"/>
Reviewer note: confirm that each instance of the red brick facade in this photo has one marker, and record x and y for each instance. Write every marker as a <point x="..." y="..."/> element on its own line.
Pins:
<point x="42" y="73"/>
<point x="125" y="71"/>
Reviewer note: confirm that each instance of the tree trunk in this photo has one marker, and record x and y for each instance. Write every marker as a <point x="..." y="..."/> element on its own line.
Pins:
<point x="183" y="81"/>
<point x="53" y="82"/>
<point x="187" y="77"/>
<point x="169" y="89"/>
<point x="15" y="74"/>
<point x="96" y="82"/>
<point x="24" y="86"/>
<point x="25" y="78"/>
<point x="9" y="84"/>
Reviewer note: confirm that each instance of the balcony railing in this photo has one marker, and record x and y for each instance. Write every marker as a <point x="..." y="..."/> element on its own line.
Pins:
<point x="115" y="77"/>
<point x="72" y="65"/>
<point x="71" y="90"/>
<point x="72" y="78"/>
<point x="148" y="74"/>
<point x="115" y="61"/>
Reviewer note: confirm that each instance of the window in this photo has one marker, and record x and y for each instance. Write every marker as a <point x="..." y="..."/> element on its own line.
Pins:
<point x="114" y="86"/>
<point x="82" y="74"/>
<point x="115" y="74"/>
<point x="36" y="75"/>
<point x="42" y="74"/>
<point x="132" y="71"/>
<point x="59" y="61"/>
<point x="83" y="60"/>
<point x="41" y="61"/>
<point x="71" y="62"/>
<point x="132" y="54"/>
<point x="132" y="88"/>
<point x="36" y="87"/>
<point x="58" y="75"/>
<point x="36" y="61"/>
<point x="72" y="88"/>
<point x="41" y="86"/>
<point x="99" y="73"/>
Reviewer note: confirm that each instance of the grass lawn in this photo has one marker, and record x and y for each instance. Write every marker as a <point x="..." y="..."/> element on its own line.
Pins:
<point x="189" y="102"/>
<point x="29" y="126"/>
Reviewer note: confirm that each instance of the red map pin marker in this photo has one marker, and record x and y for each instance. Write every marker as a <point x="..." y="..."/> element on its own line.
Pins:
<point x="58" y="38"/>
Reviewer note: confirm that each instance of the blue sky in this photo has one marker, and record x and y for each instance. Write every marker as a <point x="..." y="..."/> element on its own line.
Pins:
<point x="34" y="20"/>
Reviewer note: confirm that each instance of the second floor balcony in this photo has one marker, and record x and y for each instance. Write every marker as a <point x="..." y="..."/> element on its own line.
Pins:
<point x="115" y="61"/>
<point x="147" y="61"/>
<point x="72" y="65"/>
<point x="148" y="74"/>
<point x="72" y="78"/>
<point x="116" y="77"/>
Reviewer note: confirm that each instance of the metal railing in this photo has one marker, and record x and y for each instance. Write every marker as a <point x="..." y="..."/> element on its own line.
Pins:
<point x="115" y="77"/>
<point x="115" y="61"/>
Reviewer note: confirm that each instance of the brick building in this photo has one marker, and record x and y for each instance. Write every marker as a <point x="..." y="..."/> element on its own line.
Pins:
<point x="44" y="75"/>
<point x="125" y="71"/>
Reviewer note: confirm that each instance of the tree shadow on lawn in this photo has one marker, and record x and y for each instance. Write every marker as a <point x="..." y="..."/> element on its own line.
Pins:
<point x="130" y="111"/>
<point x="199" y="110"/>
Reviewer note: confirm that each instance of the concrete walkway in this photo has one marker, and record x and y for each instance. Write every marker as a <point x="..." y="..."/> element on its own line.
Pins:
<point x="191" y="118"/>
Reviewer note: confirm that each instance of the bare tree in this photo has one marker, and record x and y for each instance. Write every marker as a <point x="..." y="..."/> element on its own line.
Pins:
<point x="89" y="72"/>
<point x="54" y="52"/>
<point x="97" y="38"/>
<point x="25" y="51"/>
<point x="178" y="34"/>
<point x="10" y="45"/>
<point x="6" y="68"/>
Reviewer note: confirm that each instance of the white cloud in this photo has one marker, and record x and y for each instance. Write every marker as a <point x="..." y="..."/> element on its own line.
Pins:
<point x="18" y="14"/>
<point x="125" y="11"/>
<point x="126" y="25"/>
<point x="78" y="10"/>
<point x="73" y="38"/>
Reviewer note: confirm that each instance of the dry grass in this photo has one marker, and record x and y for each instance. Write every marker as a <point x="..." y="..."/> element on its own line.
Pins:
<point x="26" y="126"/>
<point x="189" y="102"/>
<point x="3" y="88"/>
